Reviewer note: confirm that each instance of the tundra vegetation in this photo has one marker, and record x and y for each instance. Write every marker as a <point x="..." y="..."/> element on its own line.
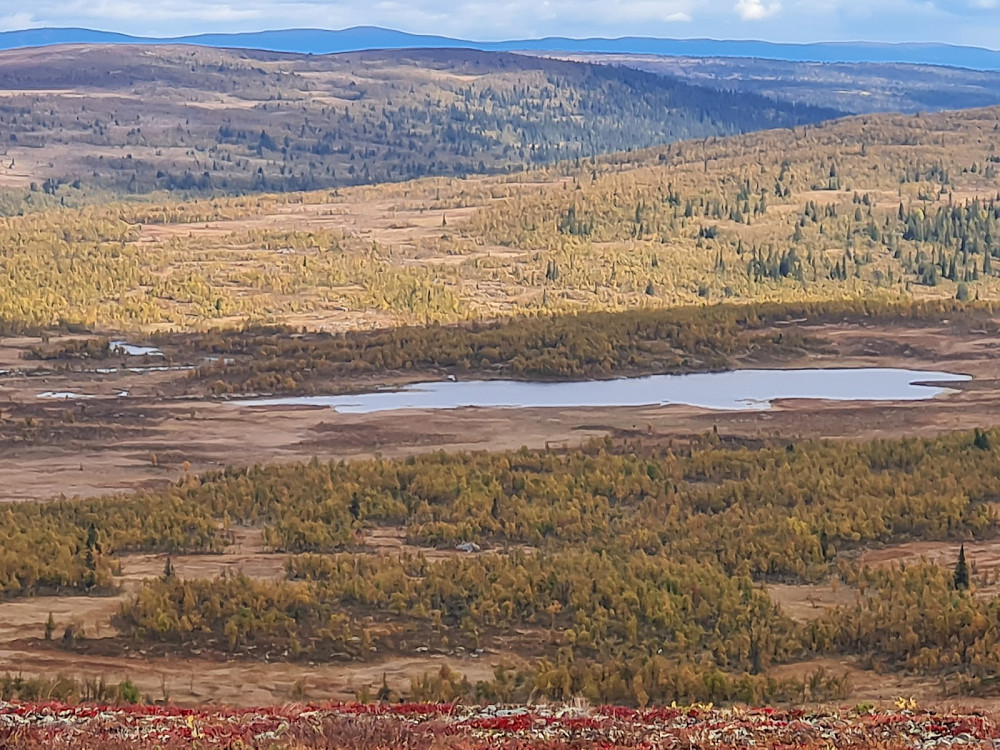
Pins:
<point x="882" y="207"/>
<point x="628" y="571"/>
<point x="80" y="122"/>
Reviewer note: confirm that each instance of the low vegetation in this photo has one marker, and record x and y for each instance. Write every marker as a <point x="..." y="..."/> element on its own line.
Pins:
<point x="878" y="208"/>
<point x="631" y="573"/>
<point x="593" y="345"/>
<point x="441" y="727"/>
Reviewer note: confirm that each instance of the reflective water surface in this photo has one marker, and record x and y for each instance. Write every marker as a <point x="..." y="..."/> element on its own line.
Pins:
<point x="737" y="389"/>
<point x="130" y="350"/>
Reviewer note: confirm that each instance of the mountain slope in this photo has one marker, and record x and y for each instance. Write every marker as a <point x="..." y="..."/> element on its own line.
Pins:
<point x="140" y="118"/>
<point x="858" y="88"/>
<point x="322" y="41"/>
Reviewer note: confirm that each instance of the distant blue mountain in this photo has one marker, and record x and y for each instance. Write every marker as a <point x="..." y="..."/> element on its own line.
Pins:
<point x="42" y="37"/>
<point x="320" y="41"/>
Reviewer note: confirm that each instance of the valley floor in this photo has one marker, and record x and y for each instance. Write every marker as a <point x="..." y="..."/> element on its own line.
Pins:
<point x="109" y="444"/>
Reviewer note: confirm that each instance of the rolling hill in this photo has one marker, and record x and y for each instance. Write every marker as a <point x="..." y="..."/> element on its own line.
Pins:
<point x="858" y="87"/>
<point x="874" y="207"/>
<point x="680" y="556"/>
<point x="138" y="118"/>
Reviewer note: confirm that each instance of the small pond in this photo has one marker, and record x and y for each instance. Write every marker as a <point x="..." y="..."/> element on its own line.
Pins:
<point x="736" y="389"/>
<point x="123" y="348"/>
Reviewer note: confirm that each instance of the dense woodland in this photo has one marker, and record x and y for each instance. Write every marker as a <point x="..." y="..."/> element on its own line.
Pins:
<point x="631" y="572"/>
<point x="916" y="618"/>
<point x="593" y="345"/>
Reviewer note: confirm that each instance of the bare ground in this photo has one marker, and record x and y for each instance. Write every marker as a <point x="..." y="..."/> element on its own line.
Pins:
<point x="805" y="602"/>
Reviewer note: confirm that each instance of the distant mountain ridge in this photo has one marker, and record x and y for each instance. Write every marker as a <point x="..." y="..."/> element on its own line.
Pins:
<point x="321" y="41"/>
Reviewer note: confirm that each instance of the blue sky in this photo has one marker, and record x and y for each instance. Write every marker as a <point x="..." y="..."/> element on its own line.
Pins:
<point x="955" y="21"/>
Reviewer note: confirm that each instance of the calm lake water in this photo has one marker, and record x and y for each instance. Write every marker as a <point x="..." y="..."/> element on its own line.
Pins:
<point x="737" y="389"/>
<point x="131" y="350"/>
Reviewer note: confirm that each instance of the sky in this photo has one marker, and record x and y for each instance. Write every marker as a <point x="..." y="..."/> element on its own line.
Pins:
<point x="975" y="22"/>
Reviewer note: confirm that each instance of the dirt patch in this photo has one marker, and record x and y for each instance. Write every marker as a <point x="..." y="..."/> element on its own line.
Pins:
<point x="391" y="540"/>
<point x="866" y="685"/>
<point x="335" y="435"/>
<point x="805" y="602"/>
<point x="196" y="680"/>
<point x="983" y="558"/>
<point x="261" y="565"/>
<point x="391" y="222"/>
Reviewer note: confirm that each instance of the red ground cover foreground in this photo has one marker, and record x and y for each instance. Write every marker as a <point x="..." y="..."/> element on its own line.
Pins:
<point x="429" y="727"/>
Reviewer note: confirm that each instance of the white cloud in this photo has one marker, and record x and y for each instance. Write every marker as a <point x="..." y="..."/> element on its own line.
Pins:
<point x="17" y="21"/>
<point x="755" y="10"/>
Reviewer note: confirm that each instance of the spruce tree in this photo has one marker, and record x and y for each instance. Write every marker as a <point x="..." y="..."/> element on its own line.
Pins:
<point x="961" y="571"/>
<point x="981" y="440"/>
<point x="92" y="543"/>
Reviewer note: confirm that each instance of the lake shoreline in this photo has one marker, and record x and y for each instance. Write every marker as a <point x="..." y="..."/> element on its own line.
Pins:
<point x="732" y="390"/>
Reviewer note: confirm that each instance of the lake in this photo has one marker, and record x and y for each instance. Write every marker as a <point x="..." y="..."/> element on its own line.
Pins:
<point x="733" y="390"/>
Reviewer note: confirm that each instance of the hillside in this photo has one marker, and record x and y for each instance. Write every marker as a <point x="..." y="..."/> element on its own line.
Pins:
<point x="135" y="119"/>
<point x="859" y="88"/>
<point x="875" y="207"/>
<point x="170" y="536"/>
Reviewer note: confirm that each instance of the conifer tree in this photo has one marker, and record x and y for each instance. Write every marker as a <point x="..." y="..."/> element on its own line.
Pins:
<point x="961" y="571"/>
<point x="981" y="440"/>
